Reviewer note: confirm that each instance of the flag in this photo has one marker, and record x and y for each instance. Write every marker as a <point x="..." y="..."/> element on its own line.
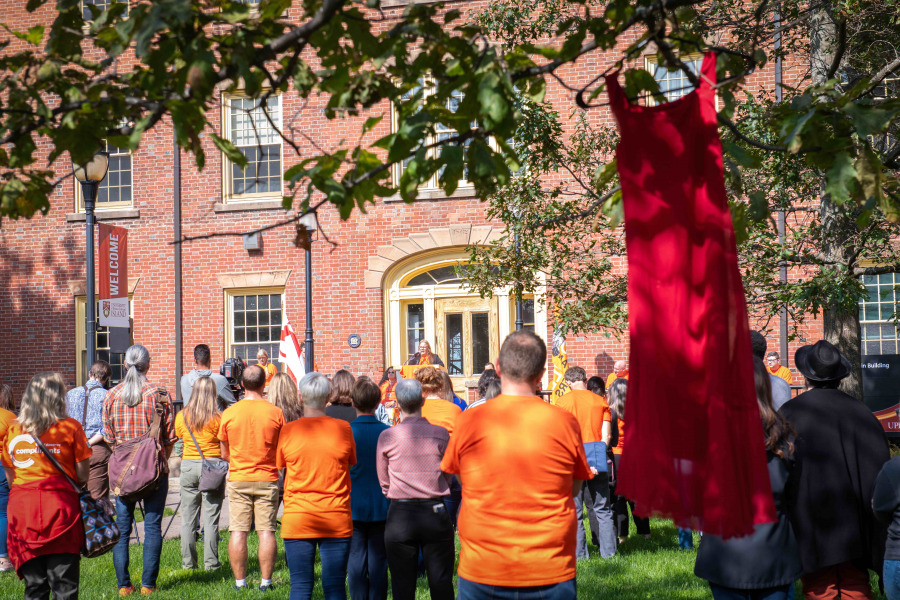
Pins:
<point x="560" y="364"/>
<point x="289" y="353"/>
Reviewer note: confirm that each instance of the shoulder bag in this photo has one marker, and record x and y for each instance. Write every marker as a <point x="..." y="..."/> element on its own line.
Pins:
<point x="137" y="466"/>
<point x="97" y="516"/>
<point x="212" y="470"/>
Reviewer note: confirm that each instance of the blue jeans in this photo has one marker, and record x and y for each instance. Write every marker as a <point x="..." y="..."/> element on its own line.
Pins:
<point x="892" y="579"/>
<point x="301" y="560"/>
<point x="469" y="590"/>
<point x="685" y="539"/>
<point x="776" y="593"/>
<point x="154" y="504"/>
<point x="595" y="493"/>
<point x="367" y="568"/>
<point x="4" y="523"/>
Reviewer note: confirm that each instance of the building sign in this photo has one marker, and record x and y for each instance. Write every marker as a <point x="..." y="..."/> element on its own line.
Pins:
<point x="881" y="388"/>
<point x="113" y="276"/>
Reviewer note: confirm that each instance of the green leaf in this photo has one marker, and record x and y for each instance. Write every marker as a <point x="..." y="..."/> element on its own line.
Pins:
<point x="793" y="139"/>
<point x="758" y="208"/>
<point x="869" y="120"/>
<point x="372" y="122"/>
<point x="741" y="155"/>
<point x="839" y="177"/>
<point x="35" y="35"/>
<point x="230" y="151"/>
<point x="452" y="159"/>
<point x="640" y="80"/>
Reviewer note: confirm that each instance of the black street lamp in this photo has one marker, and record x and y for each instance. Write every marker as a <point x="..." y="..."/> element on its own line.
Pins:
<point x="90" y="175"/>
<point x="311" y="224"/>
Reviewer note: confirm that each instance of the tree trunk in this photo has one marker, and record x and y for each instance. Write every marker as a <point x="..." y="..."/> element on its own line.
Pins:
<point x="841" y="322"/>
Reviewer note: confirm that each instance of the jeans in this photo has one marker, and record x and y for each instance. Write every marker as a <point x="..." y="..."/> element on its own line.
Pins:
<point x="454" y="500"/>
<point x="469" y="590"/>
<point x="51" y="572"/>
<point x="597" y="490"/>
<point x="892" y="579"/>
<point x="4" y="522"/>
<point x="301" y="561"/>
<point x="154" y="504"/>
<point x="724" y="593"/>
<point x="367" y="569"/>
<point x="191" y="501"/>
<point x="685" y="539"/>
<point x="413" y="525"/>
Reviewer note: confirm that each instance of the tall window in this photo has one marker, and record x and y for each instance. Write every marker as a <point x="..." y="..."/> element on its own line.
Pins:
<point x="99" y="6"/>
<point x="253" y="126"/>
<point x="255" y="319"/>
<point x="879" y="334"/>
<point x="674" y="84"/>
<point x="115" y="189"/>
<point x="442" y="132"/>
<point x="415" y="327"/>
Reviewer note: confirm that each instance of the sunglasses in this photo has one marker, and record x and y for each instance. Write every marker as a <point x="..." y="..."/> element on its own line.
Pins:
<point x="391" y="372"/>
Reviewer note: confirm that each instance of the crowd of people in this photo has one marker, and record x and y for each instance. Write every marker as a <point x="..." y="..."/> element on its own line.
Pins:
<point x="380" y="477"/>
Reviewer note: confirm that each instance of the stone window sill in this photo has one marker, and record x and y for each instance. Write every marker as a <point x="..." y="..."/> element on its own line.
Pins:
<point x="106" y="215"/>
<point x="238" y="206"/>
<point x="462" y="192"/>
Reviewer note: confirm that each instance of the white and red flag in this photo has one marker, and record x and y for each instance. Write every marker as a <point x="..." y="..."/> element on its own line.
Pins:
<point x="289" y="353"/>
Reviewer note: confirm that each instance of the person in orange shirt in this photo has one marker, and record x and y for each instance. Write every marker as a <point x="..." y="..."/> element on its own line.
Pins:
<point x="317" y="452"/>
<point x="620" y="371"/>
<point x="517" y="447"/>
<point x="425" y="356"/>
<point x="201" y="417"/>
<point x="249" y="434"/>
<point x="436" y="410"/>
<point x="774" y="367"/>
<point x="388" y="386"/>
<point x="6" y="417"/>
<point x="45" y="531"/>
<point x="593" y="416"/>
<point x="616" y="400"/>
<point x="262" y="359"/>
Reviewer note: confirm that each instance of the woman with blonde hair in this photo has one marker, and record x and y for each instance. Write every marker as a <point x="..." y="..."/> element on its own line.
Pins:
<point x="45" y="532"/>
<point x="340" y="404"/>
<point x="282" y="392"/>
<point x="201" y="418"/>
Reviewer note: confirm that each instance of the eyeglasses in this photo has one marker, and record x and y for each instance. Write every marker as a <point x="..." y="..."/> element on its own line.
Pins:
<point x="391" y="372"/>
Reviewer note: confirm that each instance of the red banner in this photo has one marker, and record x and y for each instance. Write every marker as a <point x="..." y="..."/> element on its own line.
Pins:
<point x="113" y="290"/>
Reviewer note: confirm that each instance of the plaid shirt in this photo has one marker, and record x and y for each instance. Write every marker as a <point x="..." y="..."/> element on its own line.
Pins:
<point x="122" y="422"/>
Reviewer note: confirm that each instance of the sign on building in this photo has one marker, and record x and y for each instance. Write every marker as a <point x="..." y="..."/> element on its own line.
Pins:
<point x="113" y="276"/>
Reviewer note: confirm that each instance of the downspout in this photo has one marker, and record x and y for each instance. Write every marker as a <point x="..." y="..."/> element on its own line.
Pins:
<point x="782" y="226"/>
<point x="179" y="317"/>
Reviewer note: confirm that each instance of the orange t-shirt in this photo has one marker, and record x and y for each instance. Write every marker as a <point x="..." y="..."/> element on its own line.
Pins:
<point x="317" y="453"/>
<point x="270" y="369"/>
<point x="617" y="449"/>
<point x="207" y="438"/>
<point x="517" y="458"/>
<point x="782" y="372"/>
<point x="440" y="412"/>
<point x="65" y="439"/>
<point x="6" y="417"/>
<point x="590" y="411"/>
<point x="612" y="377"/>
<point x="250" y="427"/>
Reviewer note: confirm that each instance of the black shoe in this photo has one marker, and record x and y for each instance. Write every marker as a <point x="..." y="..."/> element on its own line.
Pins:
<point x="240" y="587"/>
<point x="266" y="588"/>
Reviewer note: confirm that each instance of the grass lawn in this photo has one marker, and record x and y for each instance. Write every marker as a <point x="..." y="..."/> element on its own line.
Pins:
<point x="653" y="568"/>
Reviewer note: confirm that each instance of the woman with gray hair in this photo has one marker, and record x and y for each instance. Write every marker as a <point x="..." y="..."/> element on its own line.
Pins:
<point x="128" y="413"/>
<point x="317" y="452"/>
<point x="616" y="399"/>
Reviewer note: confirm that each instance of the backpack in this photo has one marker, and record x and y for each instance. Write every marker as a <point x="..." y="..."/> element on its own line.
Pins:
<point x="137" y="466"/>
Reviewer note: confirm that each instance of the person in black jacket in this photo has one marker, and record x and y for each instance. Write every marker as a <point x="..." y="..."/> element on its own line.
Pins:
<point x="841" y="447"/>
<point x="765" y="564"/>
<point x="886" y="504"/>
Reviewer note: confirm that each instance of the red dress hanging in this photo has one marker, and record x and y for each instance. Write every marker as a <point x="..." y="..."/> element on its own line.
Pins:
<point x="695" y="444"/>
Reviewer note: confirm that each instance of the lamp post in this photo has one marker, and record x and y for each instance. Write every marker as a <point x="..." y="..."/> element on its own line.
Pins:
<point x="311" y="224"/>
<point x="89" y="176"/>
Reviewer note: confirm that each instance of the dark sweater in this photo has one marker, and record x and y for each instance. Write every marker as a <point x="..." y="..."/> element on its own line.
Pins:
<point x="886" y="503"/>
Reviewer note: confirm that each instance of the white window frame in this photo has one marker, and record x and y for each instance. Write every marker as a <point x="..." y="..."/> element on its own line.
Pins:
<point x="880" y="322"/>
<point x="433" y="181"/>
<point x="230" y="295"/>
<point x="82" y="4"/>
<point x="651" y="65"/>
<point x="227" y="184"/>
<point x="102" y="206"/>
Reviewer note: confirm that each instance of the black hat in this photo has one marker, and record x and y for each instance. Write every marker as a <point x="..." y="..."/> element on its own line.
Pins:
<point x="822" y="362"/>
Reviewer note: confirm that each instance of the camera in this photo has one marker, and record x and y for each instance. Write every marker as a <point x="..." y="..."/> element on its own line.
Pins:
<point x="232" y="369"/>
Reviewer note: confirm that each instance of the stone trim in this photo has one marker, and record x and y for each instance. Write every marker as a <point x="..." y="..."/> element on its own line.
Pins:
<point x="256" y="279"/>
<point x="242" y="205"/>
<point x="430" y="194"/>
<point x="106" y="215"/>
<point x="460" y="234"/>
<point x="78" y="287"/>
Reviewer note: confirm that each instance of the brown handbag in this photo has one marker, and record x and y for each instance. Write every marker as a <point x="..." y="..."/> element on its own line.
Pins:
<point x="137" y="466"/>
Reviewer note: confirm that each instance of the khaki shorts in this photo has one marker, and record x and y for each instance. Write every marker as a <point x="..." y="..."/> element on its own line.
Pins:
<point x="249" y="499"/>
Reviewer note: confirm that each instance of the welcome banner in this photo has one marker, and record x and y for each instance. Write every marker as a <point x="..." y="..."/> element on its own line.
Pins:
<point x="113" y="276"/>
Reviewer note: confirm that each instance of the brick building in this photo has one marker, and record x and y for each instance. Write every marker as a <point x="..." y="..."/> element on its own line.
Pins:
<point x="384" y="275"/>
